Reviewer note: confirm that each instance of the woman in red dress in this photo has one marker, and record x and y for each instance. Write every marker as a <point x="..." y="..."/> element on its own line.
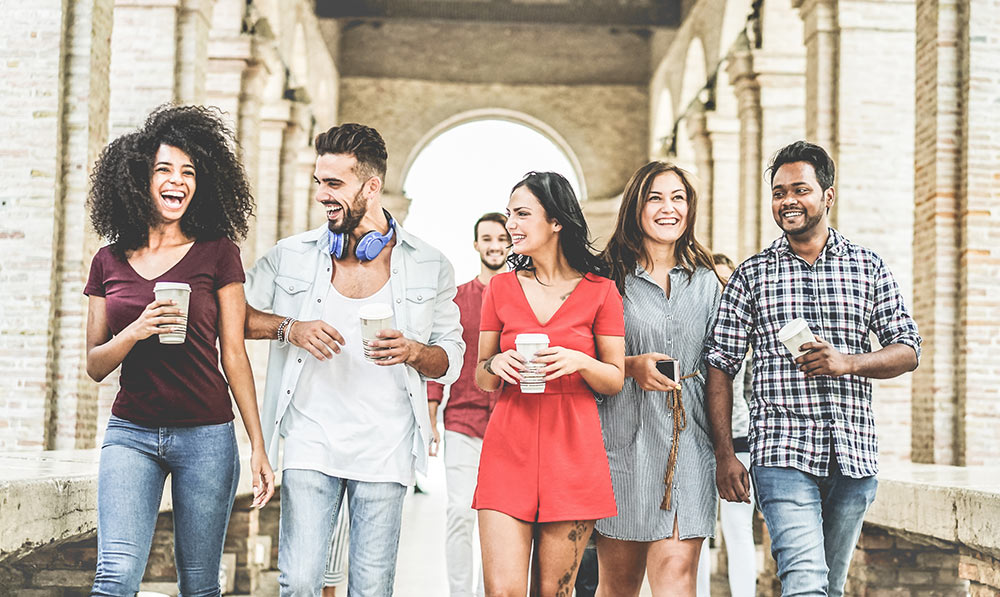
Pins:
<point x="543" y="472"/>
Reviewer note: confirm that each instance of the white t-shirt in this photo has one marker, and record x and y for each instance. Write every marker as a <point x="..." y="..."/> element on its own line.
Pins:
<point x="350" y="418"/>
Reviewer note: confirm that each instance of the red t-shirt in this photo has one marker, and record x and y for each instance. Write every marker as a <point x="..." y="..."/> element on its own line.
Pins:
<point x="468" y="408"/>
<point x="170" y="385"/>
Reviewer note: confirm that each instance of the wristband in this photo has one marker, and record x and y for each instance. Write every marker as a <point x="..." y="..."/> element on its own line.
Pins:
<point x="283" y="327"/>
<point x="487" y="364"/>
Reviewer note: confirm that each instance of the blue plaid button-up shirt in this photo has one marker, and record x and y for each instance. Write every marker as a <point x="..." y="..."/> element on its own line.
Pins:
<point x="848" y="293"/>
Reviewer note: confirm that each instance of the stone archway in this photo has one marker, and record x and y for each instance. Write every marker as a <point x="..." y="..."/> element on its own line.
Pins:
<point x="514" y="116"/>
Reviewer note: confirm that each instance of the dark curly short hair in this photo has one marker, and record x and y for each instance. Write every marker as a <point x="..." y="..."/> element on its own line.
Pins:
<point x="121" y="208"/>
<point x="363" y="142"/>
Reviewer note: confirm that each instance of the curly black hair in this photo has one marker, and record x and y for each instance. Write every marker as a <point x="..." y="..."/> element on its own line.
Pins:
<point x="121" y="208"/>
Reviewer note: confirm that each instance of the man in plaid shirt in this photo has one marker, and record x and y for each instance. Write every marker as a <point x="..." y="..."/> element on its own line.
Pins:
<point x="812" y="434"/>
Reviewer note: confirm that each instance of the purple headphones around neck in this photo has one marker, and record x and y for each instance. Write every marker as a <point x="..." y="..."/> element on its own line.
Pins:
<point x="369" y="246"/>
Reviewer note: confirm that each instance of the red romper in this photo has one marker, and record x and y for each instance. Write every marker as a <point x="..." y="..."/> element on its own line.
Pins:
<point x="543" y="457"/>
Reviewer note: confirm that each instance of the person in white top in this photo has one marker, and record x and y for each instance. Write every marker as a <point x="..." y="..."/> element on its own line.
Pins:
<point x="350" y="425"/>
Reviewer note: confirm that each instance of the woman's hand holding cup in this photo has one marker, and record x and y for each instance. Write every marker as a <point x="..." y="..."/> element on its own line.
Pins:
<point x="508" y="365"/>
<point x="154" y="320"/>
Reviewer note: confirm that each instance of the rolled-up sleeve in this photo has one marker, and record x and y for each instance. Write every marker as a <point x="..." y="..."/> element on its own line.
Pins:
<point x="727" y="344"/>
<point x="446" y="331"/>
<point x="891" y="322"/>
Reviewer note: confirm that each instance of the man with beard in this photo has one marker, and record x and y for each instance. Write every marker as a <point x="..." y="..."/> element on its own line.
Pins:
<point x="467" y="411"/>
<point x="350" y="424"/>
<point x="812" y="436"/>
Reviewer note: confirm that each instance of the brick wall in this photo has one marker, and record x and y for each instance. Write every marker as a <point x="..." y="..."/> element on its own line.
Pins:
<point x="32" y="161"/>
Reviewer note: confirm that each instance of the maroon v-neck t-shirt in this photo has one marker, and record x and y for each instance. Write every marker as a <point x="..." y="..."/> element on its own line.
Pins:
<point x="170" y="385"/>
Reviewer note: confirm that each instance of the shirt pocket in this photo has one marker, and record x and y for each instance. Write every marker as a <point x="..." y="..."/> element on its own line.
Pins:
<point x="420" y="312"/>
<point x="289" y="294"/>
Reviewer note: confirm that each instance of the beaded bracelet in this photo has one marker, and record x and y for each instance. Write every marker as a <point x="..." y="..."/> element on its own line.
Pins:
<point x="283" y="328"/>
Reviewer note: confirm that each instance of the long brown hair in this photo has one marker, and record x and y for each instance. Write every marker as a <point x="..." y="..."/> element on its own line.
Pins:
<point x="626" y="248"/>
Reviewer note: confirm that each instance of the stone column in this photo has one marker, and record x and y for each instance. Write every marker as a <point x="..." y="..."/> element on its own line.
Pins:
<point x="273" y="121"/>
<point x="248" y="132"/>
<point x="698" y="132"/>
<point x="979" y="224"/>
<point x="601" y="216"/>
<point x="821" y="37"/>
<point x="143" y="72"/>
<point x="724" y="137"/>
<point x="781" y="77"/>
<point x="936" y="233"/>
<point x="52" y="57"/>
<point x="744" y="81"/>
<point x="294" y="196"/>
<point x="193" y="24"/>
<point x="73" y="412"/>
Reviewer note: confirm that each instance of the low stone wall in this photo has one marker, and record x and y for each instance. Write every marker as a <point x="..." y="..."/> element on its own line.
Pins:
<point x="48" y="531"/>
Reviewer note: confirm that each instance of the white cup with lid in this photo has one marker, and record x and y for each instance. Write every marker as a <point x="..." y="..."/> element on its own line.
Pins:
<point x="532" y="377"/>
<point x="374" y="318"/>
<point x="180" y="293"/>
<point x="796" y="333"/>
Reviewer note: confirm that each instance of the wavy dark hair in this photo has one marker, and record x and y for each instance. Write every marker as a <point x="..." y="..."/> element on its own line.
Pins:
<point x="626" y="247"/>
<point x="559" y="201"/>
<point x="121" y="208"/>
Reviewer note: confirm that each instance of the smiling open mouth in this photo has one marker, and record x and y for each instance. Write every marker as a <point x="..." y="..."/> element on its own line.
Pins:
<point x="172" y="199"/>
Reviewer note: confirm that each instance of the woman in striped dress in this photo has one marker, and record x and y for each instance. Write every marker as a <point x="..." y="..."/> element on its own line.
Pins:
<point x="655" y="430"/>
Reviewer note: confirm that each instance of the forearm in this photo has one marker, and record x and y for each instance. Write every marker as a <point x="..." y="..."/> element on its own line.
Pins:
<point x="630" y="364"/>
<point x="890" y="361"/>
<point x="260" y="325"/>
<point x="486" y="381"/>
<point x="240" y="376"/>
<point x="603" y="378"/>
<point x="432" y="410"/>
<point x="719" y="395"/>
<point x="105" y="358"/>
<point x="429" y="361"/>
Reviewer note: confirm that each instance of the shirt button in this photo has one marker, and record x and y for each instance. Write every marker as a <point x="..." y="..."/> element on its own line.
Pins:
<point x="420" y="297"/>
<point x="398" y="300"/>
<point x="288" y="391"/>
<point x="395" y="270"/>
<point x="291" y="288"/>
<point x="300" y="360"/>
<point x="319" y="300"/>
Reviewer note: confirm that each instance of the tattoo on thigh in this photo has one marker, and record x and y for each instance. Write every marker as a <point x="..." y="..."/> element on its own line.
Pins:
<point x="576" y="534"/>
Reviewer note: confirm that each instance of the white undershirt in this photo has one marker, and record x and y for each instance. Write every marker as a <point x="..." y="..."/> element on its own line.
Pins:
<point x="350" y="418"/>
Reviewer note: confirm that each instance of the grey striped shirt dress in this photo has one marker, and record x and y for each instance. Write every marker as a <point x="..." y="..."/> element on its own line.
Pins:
<point x="638" y="425"/>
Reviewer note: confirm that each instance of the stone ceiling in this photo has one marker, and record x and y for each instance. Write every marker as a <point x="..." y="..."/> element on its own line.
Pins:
<point x="642" y="13"/>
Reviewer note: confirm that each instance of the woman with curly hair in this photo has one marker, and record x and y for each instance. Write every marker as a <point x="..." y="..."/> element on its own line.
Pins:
<point x="171" y="199"/>
<point x="543" y="474"/>
<point x="656" y="429"/>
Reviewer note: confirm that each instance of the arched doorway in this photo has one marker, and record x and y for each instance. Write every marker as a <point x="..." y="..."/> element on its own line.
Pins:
<point x="466" y="168"/>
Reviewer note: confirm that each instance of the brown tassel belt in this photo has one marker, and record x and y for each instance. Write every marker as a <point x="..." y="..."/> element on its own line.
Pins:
<point x="680" y="422"/>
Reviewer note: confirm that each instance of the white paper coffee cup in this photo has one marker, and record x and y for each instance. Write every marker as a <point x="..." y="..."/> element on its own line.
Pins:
<point x="180" y="293"/>
<point x="374" y="318"/>
<point x="796" y="333"/>
<point x="532" y="377"/>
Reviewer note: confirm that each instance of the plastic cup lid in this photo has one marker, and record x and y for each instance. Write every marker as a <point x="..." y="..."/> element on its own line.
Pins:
<point x="531" y="339"/>
<point x="171" y="286"/>
<point x="375" y="311"/>
<point x="791" y="328"/>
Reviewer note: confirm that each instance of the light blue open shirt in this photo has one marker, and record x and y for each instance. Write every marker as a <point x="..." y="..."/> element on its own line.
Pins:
<point x="292" y="279"/>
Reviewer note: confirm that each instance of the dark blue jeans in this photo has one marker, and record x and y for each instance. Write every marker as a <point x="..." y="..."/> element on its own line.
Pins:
<point x="814" y="524"/>
<point x="204" y="466"/>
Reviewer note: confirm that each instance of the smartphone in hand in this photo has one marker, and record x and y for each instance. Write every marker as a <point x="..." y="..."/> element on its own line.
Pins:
<point x="668" y="367"/>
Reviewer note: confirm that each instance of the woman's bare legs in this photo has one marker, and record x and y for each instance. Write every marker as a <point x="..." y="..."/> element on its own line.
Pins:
<point x="560" y="549"/>
<point x="506" y="544"/>
<point x="672" y="565"/>
<point x="621" y="566"/>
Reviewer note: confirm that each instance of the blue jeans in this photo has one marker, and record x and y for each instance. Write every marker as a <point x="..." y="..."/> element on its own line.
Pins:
<point x="814" y="524"/>
<point x="135" y="461"/>
<point x="310" y="502"/>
